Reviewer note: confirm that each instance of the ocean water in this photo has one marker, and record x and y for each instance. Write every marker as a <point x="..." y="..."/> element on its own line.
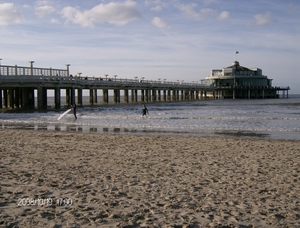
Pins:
<point x="239" y="118"/>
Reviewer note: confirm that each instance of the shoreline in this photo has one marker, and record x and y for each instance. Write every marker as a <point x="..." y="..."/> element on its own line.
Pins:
<point x="118" y="180"/>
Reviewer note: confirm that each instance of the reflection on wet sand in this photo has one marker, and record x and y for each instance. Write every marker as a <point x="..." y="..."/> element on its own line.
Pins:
<point x="242" y="134"/>
<point x="68" y="128"/>
<point x="118" y="130"/>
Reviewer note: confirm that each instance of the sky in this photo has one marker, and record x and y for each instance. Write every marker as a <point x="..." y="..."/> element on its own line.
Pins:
<point x="167" y="39"/>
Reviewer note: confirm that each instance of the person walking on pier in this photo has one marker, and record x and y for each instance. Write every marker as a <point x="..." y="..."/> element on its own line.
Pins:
<point x="74" y="110"/>
<point x="144" y="111"/>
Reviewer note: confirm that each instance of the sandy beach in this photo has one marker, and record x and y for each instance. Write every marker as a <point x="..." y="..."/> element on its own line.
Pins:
<point x="62" y="179"/>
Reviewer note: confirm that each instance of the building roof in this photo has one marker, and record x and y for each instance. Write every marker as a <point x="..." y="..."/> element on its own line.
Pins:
<point x="237" y="67"/>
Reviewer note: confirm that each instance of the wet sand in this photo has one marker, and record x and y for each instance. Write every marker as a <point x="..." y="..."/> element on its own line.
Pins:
<point x="62" y="179"/>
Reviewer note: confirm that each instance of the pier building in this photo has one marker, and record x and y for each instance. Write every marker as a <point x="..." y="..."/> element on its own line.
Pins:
<point x="237" y="81"/>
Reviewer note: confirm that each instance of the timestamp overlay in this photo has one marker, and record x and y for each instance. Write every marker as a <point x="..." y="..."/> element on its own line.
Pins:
<point x="46" y="202"/>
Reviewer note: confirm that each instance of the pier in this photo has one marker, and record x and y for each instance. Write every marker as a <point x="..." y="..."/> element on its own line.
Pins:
<point x="19" y="85"/>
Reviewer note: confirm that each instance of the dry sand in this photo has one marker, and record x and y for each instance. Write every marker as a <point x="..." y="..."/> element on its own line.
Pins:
<point x="146" y="181"/>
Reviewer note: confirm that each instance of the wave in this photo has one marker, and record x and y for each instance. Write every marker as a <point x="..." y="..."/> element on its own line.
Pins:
<point x="154" y="125"/>
<point x="192" y="118"/>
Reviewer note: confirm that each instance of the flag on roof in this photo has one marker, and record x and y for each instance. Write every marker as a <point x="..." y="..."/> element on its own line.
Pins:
<point x="236" y="52"/>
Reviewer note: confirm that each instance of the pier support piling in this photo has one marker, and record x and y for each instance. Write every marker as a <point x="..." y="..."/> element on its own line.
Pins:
<point x="57" y="97"/>
<point x="149" y="95"/>
<point x="91" y="97"/>
<point x="17" y="97"/>
<point x="169" y="95"/>
<point x="5" y="98"/>
<point x="41" y="98"/>
<point x="24" y="98"/>
<point x="115" y="95"/>
<point x="126" y="96"/>
<point x="135" y="95"/>
<point x="72" y="96"/>
<point x="1" y="98"/>
<point x="105" y="96"/>
<point x="132" y="95"/>
<point x="146" y="96"/>
<point x="164" y="95"/>
<point x="159" y="95"/>
<point x="173" y="95"/>
<point x="11" y="98"/>
<point x="31" y="98"/>
<point x="68" y="97"/>
<point x="79" y="97"/>
<point x="143" y="95"/>
<point x="153" y="95"/>
<point x="95" y="96"/>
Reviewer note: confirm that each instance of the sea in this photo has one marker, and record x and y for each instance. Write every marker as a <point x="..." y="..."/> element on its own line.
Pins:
<point x="235" y="118"/>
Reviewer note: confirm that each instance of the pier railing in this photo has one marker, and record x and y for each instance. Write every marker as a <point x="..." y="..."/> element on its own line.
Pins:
<point x="253" y="87"/>
<point x="30" y="71"/>
<point x="22" y="75"/>
<point x="89" y="81"/>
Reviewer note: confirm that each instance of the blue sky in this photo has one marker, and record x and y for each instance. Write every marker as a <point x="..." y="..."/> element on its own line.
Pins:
<point x="169" y="39"/>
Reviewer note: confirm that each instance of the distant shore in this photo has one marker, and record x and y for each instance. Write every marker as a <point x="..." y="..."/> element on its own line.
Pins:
<point x="64" y="179"/>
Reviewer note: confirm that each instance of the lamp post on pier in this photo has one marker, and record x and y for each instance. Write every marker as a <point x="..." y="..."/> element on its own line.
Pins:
<point x="68" y="69"/>
<point x="0" y="67"/>
<point x="31" y="67"/>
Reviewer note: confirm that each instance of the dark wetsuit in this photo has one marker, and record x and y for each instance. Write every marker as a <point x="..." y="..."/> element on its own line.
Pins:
<point x="145" y="111"/>
<point x="74" y="110"/>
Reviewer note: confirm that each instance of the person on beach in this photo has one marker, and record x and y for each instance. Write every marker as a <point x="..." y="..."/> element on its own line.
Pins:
<point x="145" y="111"/>
<point x="74" y="110"/>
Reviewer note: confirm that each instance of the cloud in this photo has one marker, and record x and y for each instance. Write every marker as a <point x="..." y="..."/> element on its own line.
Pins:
<point x="207" y="2"/>
<point x="263" y="19"/>
<point x="43" y="2"/>
<point x="206" y="12"/>
<point x="223" y="16"/>
<point x="54" y="21"/>
<point x="293" y="9"/>
<point x="160" y="23"/>
<point x="189" y="11"/>
<point x="8" y="14"/>
<point x="113" y="13"/>
<point x="26" y="6"/>
<point x="152" y="2"/>
<point x="43" y="11"/>
<point x="156" y="9"/>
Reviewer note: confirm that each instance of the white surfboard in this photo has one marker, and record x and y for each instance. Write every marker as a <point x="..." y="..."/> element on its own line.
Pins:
<point x="65" y="113"/>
